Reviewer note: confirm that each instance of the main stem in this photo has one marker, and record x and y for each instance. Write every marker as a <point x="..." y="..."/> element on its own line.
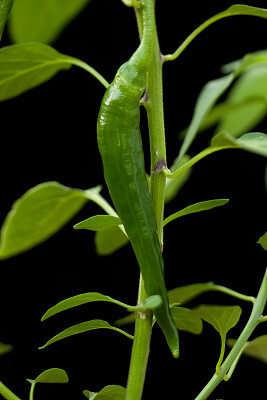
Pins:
<point x="154" y="108"/>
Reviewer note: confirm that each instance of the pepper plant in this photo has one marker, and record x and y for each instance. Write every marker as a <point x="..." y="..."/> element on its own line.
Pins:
<point x="132" y="213"/>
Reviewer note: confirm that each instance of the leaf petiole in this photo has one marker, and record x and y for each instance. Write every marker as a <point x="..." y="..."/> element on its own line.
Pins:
<point x="236" y="9"/>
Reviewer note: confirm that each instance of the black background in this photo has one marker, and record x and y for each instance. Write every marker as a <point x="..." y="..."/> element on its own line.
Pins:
<point x="49" y="134"/>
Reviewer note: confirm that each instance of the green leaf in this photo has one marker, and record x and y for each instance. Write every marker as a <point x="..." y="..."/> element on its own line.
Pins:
<point x="98" y="222"/>
<point x="110" y="240"/>
<point x="194" y="208"/>
<point x="110" y="236"/>
<point x="39" y="214"/>
<point x="53" y="375"/>
<point x="211" y="92"/>
<point x="112" y="392"/>
<point x="185" y="294"/>
<point x="128" y="3"/>
<point x="77" y="301"/>
<point x="254" y="142"/>
<point x="5" y="7"/>
<point x="5" y="348"/>
<point x="226" y="109"/>
<point x="256" y="348"/>
<point x="263" y="241"/>
<point x="29" y="22"/>
<point x="84" y="327"/>
<point x="248" y="114"/>
<point x="245" y="106"/>
<point x="222" y="318"/>
<point x="25" y="66"/>
<point x="206" y="100"/>
<point x="110" y="233"/>
<point x="151" y="302"/>
<point x="128" y="319"/>
<point x="186" y="320"/>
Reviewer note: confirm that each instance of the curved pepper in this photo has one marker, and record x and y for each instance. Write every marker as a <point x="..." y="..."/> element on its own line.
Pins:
<point x="5" y="7"/>
<point x="120" y="145"/>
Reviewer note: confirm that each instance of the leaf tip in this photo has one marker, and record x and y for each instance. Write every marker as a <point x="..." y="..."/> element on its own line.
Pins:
<point x="175" y="353"/>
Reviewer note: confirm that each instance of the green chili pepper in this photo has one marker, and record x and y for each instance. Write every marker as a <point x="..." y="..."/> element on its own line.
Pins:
<point x="120" y="145"/>
<point x="5" y="7"/>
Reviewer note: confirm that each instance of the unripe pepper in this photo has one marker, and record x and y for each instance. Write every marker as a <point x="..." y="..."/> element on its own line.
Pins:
<point x="120" y="145"/>
<point x="5" y="7"/>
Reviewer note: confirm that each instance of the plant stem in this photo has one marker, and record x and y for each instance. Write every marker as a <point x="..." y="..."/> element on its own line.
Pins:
<point x="254" y="320"/>
<point x="155" y="115"/>
<point x="154" y="108"/>
<point x="140" y="350"/>
<point x="6" y="393"/>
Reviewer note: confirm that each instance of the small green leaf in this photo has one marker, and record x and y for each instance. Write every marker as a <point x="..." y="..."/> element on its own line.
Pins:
<point x="151" y="302"/>
<point x="222" y="318"/>
<point x="128" y="319"/>
<point x="263" y="241"/>
<point x="252" y="84"/>
<point x="53" y="375"/>
<point x="39" y="214"/>
<point x="5" y="348"/>
<point x="112" y="392"/>
<point x="77" y="301"/>
<point x="254" y="142"/>
<point x="31" y="23"/>
<point x="5" y="7"/>
<point x="256" y="348"/>
<point x="224" y="109"/>
<point x="184" y="294"/>
<point x="211" y="92"/>
<point x="206" y="100"/>
<point x="25" y="66"/>
<point x="98" y="222"/>
<point x="128" y="3"/>
<point x="186" y="320"/>
<point x="84" y="327"/>
<point x="110" y="240"/>
<point x="194" y="208"/>
<point x="110" y="233"/>
<point x="89" y="395"/>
